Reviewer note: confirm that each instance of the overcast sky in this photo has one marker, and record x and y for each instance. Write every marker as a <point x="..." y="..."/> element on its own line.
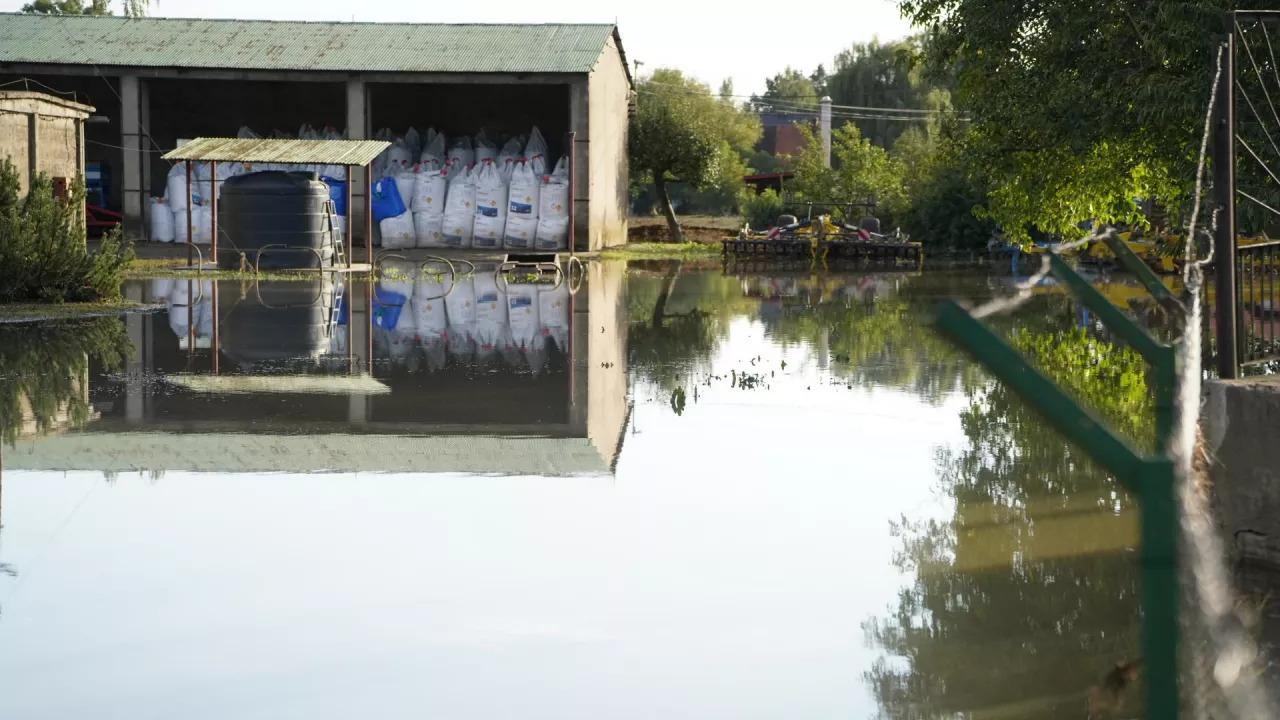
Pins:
<point x="747" y="40"/>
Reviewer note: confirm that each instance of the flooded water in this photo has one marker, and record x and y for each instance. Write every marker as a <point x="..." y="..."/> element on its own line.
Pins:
<point x="650" y="491"/>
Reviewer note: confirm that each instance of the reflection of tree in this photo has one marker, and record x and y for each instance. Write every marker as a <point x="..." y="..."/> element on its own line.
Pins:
<point x="45" y="365"/>
<point x="677" y="320"/>
<point x="1005" y="613"/>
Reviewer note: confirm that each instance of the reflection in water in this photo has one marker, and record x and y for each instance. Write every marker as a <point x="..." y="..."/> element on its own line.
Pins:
<point x="820" y="509"/>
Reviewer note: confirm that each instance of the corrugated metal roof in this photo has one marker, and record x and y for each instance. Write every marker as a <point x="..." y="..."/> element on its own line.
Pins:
<point x="272" y="45"/>
<point x="272" y="150"/>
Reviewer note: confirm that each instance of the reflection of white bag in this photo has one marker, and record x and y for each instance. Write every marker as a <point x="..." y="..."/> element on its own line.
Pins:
<point x="429" y="315"/>
<point x="491" y="207"/>
<point x="398" y="232"/>
<point x="459" y="209"/>
<point x="161" y="221"/>
<point x="398" y="276"/>
<point x="553" y="314"/>
<point x="428" y="229"/>
<point x="460" y="307"/>
<point x="523" y="306"/>
<point x="491" y="304"/>
<point x="161" y="289"/>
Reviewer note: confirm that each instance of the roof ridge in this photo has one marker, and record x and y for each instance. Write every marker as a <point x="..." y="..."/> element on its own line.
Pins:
<point x="121" y="18"/>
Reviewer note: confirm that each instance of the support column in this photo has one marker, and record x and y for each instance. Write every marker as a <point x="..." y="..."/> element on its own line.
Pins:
<point x="581" y="192"/>
<point x="131" y="141"/>
<point x="135" y="369"/>
<point x="357" y="129"/>
<point x="145" y="140"/>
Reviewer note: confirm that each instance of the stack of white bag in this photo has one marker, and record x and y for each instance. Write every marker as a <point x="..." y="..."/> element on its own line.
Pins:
<point x="553" y="210"/>
<point x="433" y="151"/>
<point x="491" y="206"/>
<point x="522" y="209"/>
<point x="459" y="207"/>
<point x="535" y="152"/>
<point x="161" y="221"/>
<point x="430" y="187"/>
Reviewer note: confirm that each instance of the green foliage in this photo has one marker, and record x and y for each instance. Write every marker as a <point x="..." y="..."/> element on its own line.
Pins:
<point x="941" y="214"/>
<point x="130" y="8"/>
<point x="44" y="370"/>
<point x="860" y="170"/>
<point x="887" y="75"/>
<point x="42" y="246"/>
<point x="1078" y="108"/>
<point x="762" y="211"/>
<point x="788" y="91"/>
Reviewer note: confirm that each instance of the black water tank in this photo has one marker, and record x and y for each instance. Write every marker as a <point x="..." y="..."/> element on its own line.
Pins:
<point x="277" y="209"/>
<point x="272" y="321"/>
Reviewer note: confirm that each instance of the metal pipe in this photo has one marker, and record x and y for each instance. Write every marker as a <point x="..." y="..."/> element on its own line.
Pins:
<point x="216" y="342"/>
<point x="368" y="315"/>
<point x="213" y="210"/>
<point x="1224" y="185"/>
<point x="346" y="224"/>
<point x="573" y="190"/>
<point x="189" y="239"/>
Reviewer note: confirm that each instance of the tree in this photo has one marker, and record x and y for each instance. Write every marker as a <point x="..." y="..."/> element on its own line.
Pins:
<point x="860" y="170"/>
<point x="879" y="75"/>
<point x="681" y="133"/>
<point x="1065" y="94"/>
<point x="788" y="91"/>
<point x="130" y="8"/>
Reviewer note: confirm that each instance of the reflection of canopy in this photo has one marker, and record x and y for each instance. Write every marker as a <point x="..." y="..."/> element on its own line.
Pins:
<point x="329" y="452"/>
<point x="309" y="384"/>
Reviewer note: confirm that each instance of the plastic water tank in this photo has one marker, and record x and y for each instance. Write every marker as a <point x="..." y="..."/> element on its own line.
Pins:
<point x="280" y="214"/>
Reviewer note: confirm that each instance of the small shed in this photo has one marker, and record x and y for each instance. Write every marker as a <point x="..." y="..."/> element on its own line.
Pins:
<point x="42" y="133"/>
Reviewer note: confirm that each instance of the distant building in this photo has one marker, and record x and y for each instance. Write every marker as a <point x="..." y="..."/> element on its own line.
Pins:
<point x="781" y="137"/>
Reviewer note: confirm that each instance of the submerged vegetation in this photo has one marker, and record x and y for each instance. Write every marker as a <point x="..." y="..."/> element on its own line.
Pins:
<point x="42" y="246"/>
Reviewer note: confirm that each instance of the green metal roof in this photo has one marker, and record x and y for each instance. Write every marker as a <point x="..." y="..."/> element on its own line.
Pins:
<point x="272" y="45"/>
<point x="273" y="150"/>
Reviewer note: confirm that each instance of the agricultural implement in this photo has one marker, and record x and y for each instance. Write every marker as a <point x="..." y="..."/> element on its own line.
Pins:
<point x="822" y="238"/>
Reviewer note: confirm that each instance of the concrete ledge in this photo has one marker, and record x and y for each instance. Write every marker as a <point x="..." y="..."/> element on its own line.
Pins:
<point x="1241" y="422"/>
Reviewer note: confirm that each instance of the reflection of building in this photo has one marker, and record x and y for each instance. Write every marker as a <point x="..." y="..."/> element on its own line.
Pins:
<point x="292" y="392"/>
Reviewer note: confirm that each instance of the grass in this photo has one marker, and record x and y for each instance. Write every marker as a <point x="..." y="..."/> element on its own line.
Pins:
<point x="719" y="222"/>
<point x="29" y="312"/>
<point x="661" y="251"/>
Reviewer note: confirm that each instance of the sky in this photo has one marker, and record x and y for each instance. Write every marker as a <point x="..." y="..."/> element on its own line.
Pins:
<point x="748" y="43"/>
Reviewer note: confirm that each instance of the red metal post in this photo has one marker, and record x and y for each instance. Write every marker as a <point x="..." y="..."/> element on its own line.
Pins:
<point x="368" y="291"/>
<point x="189" y="239"/>
<point x="350" y="233"/>
<point x="213" y="223"/>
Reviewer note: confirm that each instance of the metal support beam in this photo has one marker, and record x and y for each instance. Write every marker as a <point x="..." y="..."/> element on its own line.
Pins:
<point x="1224" y="241"/>
<point x="131" y="156"/>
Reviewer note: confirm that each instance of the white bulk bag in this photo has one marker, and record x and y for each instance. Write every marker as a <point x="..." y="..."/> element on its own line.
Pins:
<point x="434" y="152"/>
<point x="161" y="221"/>
<point x="535" y="152"/>
<point x="554" y="194"/>
<point x="398" y="232"/>
<point x="485" y="150"/>
<point x="181" y="221"/>
<point x="522" y="209"/>
<point x="175" y="189"/>
<point x="246" y="133"/>
<point x="201" y="171"/>
<point x="202" y="225"/>
<point x="428" y="230"/>
<point x="491" y="207"/>
<point x="553" y="234"/>
<point x="398" y="154"/>
<point x="406" y="178"/>
<point x="459" y="209"/>
<point x="414" y="142"/>
<point x="429" y="190"/>
<point x="508" y="158"/>
<point x="461" y="155"/>
<point x="553" y="314"/>
<point x="523" y="307"/>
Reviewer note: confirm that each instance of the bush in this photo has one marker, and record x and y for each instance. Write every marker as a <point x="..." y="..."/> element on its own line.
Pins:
<point x="941" y="215"/>
<point x="762" y="211"/>
<point x="42" y="246"/>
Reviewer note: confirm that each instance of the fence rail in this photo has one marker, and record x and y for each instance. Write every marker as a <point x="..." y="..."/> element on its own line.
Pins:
<point x="1257" y="302"/>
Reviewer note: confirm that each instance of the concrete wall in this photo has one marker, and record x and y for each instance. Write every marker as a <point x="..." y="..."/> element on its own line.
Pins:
<point x="609" y="93"/>
<point x="1241" y="424"/>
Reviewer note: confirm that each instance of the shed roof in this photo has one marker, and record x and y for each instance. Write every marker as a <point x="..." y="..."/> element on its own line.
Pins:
<point x="273" y="150"/>
<point x="275" y="45"/>
<point x="16" y="98"/>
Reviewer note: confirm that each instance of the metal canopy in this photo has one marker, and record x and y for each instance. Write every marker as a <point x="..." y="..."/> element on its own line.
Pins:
<point x="271" y="150"/>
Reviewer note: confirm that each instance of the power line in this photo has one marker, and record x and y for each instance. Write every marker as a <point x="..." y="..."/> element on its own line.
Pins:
<point x="873" y="114"/>
<point x="804" y="102"/>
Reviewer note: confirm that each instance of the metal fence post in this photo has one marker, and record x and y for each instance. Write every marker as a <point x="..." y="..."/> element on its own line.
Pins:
<point x="1226" y="300"/>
